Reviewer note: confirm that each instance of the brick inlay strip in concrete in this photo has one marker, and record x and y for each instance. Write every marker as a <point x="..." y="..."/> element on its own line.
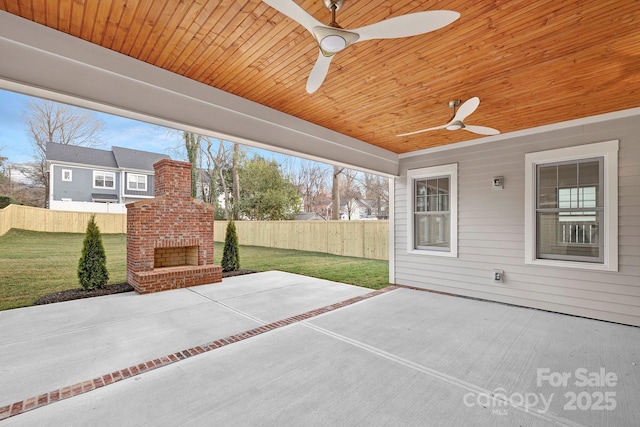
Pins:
<point x="116" y="376"/>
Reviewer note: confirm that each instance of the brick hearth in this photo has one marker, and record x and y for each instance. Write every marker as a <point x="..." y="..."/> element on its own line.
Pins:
<point x="170" y="237"/>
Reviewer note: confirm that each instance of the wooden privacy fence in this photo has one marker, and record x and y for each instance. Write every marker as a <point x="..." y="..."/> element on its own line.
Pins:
<point x="363" y="239"/>
<point x="38" y="219"/>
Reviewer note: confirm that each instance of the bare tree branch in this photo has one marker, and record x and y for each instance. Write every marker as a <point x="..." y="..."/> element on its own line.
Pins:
<point x="311" y="180"/>
<point x="49" y="121"/>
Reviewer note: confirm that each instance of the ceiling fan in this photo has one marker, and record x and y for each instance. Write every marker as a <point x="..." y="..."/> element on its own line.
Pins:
<point x="332" y="38"/>
<point x="457" y="121"/>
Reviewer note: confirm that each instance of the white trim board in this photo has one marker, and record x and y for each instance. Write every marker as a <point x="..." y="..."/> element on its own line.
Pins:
<point x="450" y="170"/>
<point x="607" y="150"/>
<point x="525" y="132"/>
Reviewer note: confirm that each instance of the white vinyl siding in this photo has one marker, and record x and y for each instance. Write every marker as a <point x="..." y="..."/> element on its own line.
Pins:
<point x="491" y="229"/>
<point x="103" y="179"/>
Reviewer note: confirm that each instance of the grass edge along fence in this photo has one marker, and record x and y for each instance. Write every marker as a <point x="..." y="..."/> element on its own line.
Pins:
<point x="362" y="239"/>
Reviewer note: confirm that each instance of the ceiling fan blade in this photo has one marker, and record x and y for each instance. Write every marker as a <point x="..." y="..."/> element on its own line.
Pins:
<point x="407" y="25"/>
<point x="422" y="130"/>
<point x="319" y="72"/>
<point x="467" y="107"/>
<point x="482" y="130"/>
<point x="295" y="12"/>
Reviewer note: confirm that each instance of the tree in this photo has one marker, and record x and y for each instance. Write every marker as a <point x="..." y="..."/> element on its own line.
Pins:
<point x="92" y="268"/>
<point x="376" y="189"/>
<point x="235" y="166"/>
<point x="350" y="191"/>
<point x="192" y="145"/>
<point x="265" y="194"/>
<point x="231" y="254"/>
<point x="48" y="121"/>
<point x="335" y="193"/>
<point x="218" y="165"/>
<point x="5" y="173"/>
<point x="311" y="180"/>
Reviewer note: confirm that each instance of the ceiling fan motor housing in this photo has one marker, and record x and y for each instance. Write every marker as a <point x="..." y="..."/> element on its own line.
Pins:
<point x="332" y="40"/>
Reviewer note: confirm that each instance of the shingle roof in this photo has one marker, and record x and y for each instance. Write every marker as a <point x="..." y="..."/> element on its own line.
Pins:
<point x="136" y="159"/>
<point x="309" y="216"/>
<point x="119" y="157"/>
<point x="80" y="155"/>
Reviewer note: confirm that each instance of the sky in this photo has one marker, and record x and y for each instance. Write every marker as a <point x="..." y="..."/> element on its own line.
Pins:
<point x="16" y="145"/>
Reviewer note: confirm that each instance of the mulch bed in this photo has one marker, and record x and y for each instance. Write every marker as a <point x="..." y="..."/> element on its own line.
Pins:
<point x="118" y="288"/>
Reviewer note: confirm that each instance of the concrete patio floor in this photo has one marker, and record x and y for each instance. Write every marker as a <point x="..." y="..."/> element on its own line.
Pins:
<point x="282" y="349"/>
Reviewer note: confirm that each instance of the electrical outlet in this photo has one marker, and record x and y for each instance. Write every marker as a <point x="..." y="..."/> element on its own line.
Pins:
<point x="498" y="182"/>
<point x="498" y="275"/>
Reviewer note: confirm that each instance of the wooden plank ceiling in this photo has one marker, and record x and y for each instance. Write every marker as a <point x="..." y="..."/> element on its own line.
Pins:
<point x="531" y="62"/>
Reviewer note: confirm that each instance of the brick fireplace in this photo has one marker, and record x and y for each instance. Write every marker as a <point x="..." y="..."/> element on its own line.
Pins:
<point x="170" y="237"/>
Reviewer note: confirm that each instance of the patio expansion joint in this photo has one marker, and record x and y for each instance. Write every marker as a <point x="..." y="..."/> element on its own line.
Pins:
<point x="452" y="380"/>
<point x="67" y="392"/>
<point x="234" y="310"/>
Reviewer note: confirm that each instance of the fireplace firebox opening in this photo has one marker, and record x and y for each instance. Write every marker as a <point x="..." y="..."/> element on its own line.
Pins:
<point x="175" y="256"/>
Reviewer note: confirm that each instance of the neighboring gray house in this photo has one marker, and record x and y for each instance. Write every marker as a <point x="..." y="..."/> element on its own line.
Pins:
<point x="93" y="180"/>
<point x="359" y="209"/>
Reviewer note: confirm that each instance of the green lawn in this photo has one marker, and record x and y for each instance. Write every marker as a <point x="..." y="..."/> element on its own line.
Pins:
<point x="34" y="264"/>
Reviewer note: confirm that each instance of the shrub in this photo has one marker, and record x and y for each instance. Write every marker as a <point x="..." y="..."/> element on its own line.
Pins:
<point x="92" y="268"/>
<point x="8" y="200"/>
<point x="230" y="254"/>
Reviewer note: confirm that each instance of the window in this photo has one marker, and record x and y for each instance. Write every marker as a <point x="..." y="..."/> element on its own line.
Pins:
<point x="571" y="207"/>
<point x="136" y="182"/>
<point x="66" y="174"/>
<point x="433" y="212"/>
<point x="569" y="210"/>
<point x="104" y="179"/>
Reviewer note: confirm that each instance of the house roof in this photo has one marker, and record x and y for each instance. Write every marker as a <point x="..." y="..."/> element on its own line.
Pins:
<point x="119" y="157"/>
<point x="136" y="159"/>
<point x="80" y="155"/>
<point x="309" y="216"/>
<point x="531" y="63"/>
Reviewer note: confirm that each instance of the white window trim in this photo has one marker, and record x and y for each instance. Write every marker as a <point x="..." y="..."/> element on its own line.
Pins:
<point x="609" y="152"/>
<point x="64" y="171"/>
<point x="129" y="174"/>
<point x="105" y="174"/>
<point x="431" y="172"/>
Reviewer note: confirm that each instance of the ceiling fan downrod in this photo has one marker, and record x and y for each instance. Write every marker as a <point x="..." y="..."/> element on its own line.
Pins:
<point x="453" y="104"/>
<point x="333" y="5"/>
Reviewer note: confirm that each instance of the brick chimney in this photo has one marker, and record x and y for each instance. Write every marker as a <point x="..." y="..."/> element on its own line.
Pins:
<point x="170" y="237"/>
<point x="173" y="178"/>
